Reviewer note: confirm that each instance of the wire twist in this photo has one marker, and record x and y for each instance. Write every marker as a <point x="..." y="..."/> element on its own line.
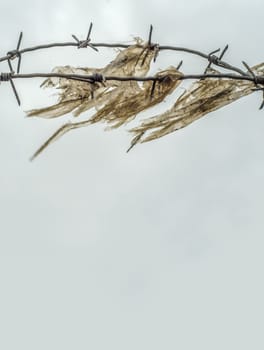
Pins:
<point x="5" y="76"/>
<point x="87" y="42"/>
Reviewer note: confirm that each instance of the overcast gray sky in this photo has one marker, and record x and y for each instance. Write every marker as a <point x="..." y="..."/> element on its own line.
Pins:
<point x="161" y="248"/>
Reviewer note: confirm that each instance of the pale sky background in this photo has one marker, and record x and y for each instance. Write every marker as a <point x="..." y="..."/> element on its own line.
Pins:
<point x="161" y="248"/>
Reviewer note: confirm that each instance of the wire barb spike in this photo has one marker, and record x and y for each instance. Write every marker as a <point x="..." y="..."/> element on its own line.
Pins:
<point x="179" y="65"/>
<point x="262" y="105"/>
<point x="153" y="89"/>
<point x="213" y="59"/>
<point x="223" y="52"/>
<point x="150" y="35"/>
<point x="89" y="31"/>
<point x="15" y="54"/>
<point x="87" y="42"/>
<point x="249" y="69"/>
<point x="15" y="91"/>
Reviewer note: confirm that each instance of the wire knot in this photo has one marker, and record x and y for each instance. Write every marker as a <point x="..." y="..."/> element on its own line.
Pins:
<point x="151" y="46"/>
<point x="87" y="42"/>
<point x="259" y="79"/>
<point x="13" y="54"/>
<point x="213" y="59"/>
<point x="83" y="43"/>
<point x="97" y="77"/>
<point x="6" y="76"/>
<point x="156" y="49"/>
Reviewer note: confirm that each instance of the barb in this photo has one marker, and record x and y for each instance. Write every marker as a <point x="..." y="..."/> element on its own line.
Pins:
<point x="153" y="89"/>
<point x="161" y="79"/>
<point x="14" y="54"/>
<point x="213" y="59"/>
<point x="179" y="65"/>
<point x="8" y="77"/>
<point x="146" y="48"/>
<point x="223" y="52"/>
<point x="87" y="42"/>
<point x="152" y="46"/>
<point x="258" y="80"/>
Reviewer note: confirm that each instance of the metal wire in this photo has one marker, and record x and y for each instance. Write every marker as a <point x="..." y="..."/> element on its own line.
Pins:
<point x="211" y="58"/>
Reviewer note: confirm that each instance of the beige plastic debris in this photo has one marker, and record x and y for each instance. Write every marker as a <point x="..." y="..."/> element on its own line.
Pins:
<point x="116" y="102"/>
<point x="203" y="97"/>
<point x="77" y="96"/>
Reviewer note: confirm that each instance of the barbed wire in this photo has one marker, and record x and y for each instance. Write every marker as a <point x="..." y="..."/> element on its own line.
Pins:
<point x="101" y="78"/>
<point x="212" y="59"/>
